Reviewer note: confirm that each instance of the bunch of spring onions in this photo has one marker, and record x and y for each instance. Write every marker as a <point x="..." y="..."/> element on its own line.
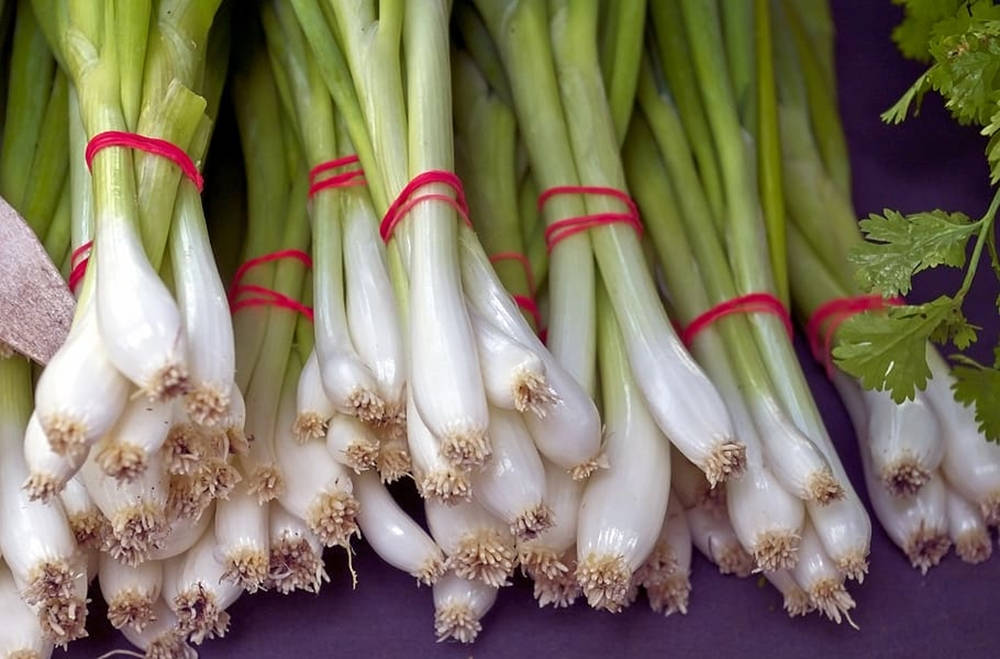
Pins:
<point x="475" y="250"/>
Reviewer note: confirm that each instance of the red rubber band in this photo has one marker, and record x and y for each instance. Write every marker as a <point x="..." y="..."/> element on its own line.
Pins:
<point x="520" y="258"/>
<point x="563" y="229"/>
<point x="266" y="296"/>
<point x="152" y="145"/>
<point x="750" y="303"/>
<point x="79" y="269"/>
<point x="403" y="204"/>
<point x="348" y="179"/>
<point x="823" y="323"/>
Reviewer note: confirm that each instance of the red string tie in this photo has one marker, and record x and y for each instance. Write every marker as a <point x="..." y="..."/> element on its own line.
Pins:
<point x="823" y="323"/>
<point x="347" y="179"/>
<point x="262" y="296"/>
<point x="152" y="145"/>
<point x="750" y="303"/>
<point x="563" y="229"/>
<point x="405" y="201"/>
<point x="525" y="302"/>
<point x="78" y="264"/>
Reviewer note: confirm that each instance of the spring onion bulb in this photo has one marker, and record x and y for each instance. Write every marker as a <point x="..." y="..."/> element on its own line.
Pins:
<point x="49" y="471"/>
<point x="511" y="485"/>
<point x="131" y="592"/>
<point x="181" y="534"/>
<point x="542" y="557"/>
<point x="904" y="440"/>
<point x="161" y="639"/>
<point x="314" y="408"/>
<point x="817" y="575"/>
<point x="971" y="464"/>
<point x="393" y="534"/>
<point x="435" y="477"/>
<point x="968" y="530"/>
<point x="352" y="443"/>
<point x="479" y="546"/>
<point x="459" y="606"/>
<point x="569" y="434"/>
<point x="513" y="375"/>
<point x="393" y="461"/>
<point x="21" y="636"/>
<point x="242" y="532"/>
<point x="666" y="573"/>
<point x="89" y="525"/>
<point x="235" y="422"/>
<point x="712" y="533"/>
<point x="80" y="394"/>
<point x="296" y="561"/>
<point x="136" y="510"/>
<point x="140" y="431"/>
<point x="195" y="587"/>
<point x="796" y="601"/>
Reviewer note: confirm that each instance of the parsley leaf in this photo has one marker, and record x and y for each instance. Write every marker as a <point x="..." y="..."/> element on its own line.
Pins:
<point x="919" y="16"/>
<point x="979" y="386"/>
<point x="900" y="246"/>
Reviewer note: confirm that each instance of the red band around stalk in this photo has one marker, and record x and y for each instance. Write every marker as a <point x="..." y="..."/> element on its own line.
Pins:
<point x="78" y="264"/>
<point x="405" y="201"/>
<point x="750" y="303"/>
<point x="563" y="229"/>
<point x="153" y="145"/>
<point x="348" y="179"/>
<point x="262" y="296"/>
<point x="525" y="302"/>
<point x="828" y="317"/>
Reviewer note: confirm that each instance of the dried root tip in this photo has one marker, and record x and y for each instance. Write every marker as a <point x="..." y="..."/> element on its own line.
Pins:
<point x="188" y="496"/>
<point x="532" y="393"/>
<point x="832" y="600"/>
<point x="183" y="449"/>
<point x="670" y="594"/>
<point x="122" y="461"/>
<point x="904" y="477"/>
<point x="220" y="478"/>
<point x="23" y="653"/>
<point x="734" y="560"/>
<point x="239" y="443"/>
<point x="776" y="550"/>
<point x="485" y="557"/>
<point x="531" y="522"/>
<point x="90" y="528"/>
<point x="393" y="461"/>
<point x="727" y="460"/>
<point x="41" y="487"/>
<point x="432" y="569"/>
<point x="797" y="603"/>
<point x="267" y="483"/>
<point x="63" y="620"/>
<point x="605" y="581"/>
<point x="559" y="591"/>
<point x="137" y="530"/>
<point x="6" y="352"/>
<point x="583" y="470"/>
<point x="293" y="565"/>
<point x="362" y="455"/>
<point x="170" y="645"/>
<point x="989" y="507"/>
<point x="246" y="567"/>
<point x="331" y="516"/>
<point x="456" y="621"/>
<point x="67" y="436"/>
<point x="131" y="608"/>
<point x="307" y="426"/>
<point x="51" y="581"/>
<point x="206" y="405"/>
<point x="539" y="562"/>
<point x="974" y="546"/>
<point x="199" y="615"/>
<point x="926" y="547"/>
<point x="854" y="565"/>
<point x="167" y="383"/>
<point x="367" y="406"/>
<point x="824" y="488"/>
<point x="466" y="448"/>
<point x="446" y="485"/>
<point x="659" y="565"/>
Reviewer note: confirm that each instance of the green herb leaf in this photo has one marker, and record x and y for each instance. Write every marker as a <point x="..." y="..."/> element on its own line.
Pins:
<point x="886" y="351"/>
<point x="979" y="386"/>
<point x="900" y="246"/>
<point x="913" y="33"/>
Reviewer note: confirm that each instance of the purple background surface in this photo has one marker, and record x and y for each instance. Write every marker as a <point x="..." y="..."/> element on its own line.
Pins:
<point x="928" y="162"/>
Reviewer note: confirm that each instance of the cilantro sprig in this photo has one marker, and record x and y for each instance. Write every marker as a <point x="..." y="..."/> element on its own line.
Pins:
<point x="960" y="40"/>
